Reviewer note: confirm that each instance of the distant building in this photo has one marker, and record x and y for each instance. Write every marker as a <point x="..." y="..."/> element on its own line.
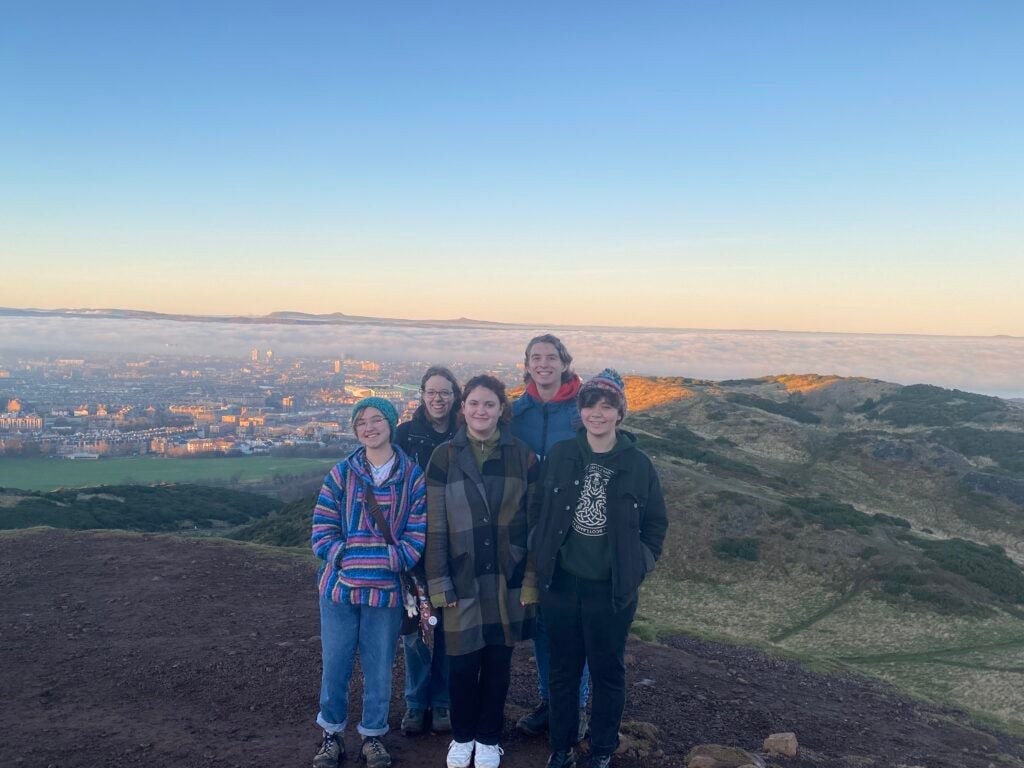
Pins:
<point x="387" y="391"/>
<point x="15" y="422"/>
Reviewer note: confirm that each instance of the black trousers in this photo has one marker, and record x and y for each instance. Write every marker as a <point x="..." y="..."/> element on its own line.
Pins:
<point x="478" y="684"/>
<point x="583" y="628"/>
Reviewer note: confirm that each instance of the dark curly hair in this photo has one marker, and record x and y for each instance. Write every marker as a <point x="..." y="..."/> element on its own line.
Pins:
<point x="487" y="381"/>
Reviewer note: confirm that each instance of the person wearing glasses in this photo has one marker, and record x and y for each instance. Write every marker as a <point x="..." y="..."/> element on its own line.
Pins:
<point x="478" y="484"/>
<point x="426" y="671"/>
<point x="369" y="524"/>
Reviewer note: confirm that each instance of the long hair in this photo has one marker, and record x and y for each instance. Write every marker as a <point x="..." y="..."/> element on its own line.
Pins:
<point x="487" y="381"/>
<point x="563" y="355"/>
<point x="440" y="370"/>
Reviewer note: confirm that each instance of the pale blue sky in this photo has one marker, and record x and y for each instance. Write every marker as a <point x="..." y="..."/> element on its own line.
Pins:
<point x="851" y="166"/>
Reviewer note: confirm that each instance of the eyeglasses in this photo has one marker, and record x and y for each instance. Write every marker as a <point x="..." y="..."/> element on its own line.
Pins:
<point x="376" y="421"/>
<point x="434" y="394"/>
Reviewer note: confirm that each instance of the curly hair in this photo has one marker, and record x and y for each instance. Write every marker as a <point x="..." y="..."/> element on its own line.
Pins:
<point x="487" y="381"/>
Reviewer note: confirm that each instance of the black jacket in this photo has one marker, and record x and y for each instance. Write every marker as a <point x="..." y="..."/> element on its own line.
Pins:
<point x="418" y="438"/>
<point x="636" y="514"/>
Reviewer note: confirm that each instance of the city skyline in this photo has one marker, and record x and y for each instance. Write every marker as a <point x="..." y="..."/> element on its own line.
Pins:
<point x="789" y="167"/>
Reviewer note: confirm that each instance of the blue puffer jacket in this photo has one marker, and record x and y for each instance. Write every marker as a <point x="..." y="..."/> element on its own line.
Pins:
<point x="541" y="424"/>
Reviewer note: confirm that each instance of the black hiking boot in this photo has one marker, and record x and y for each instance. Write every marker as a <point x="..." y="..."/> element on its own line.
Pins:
<point x="535" y="722"/>
<point x="562" y="758"/>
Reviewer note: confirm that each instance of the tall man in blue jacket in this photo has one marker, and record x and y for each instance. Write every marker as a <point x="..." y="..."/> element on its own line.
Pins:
<point x="545" y="414"/>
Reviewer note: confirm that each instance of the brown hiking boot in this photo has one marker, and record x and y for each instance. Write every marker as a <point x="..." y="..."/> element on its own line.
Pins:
<point x="331" y="752"/>
<point x="374" y="753"/>
<point x="412" y="721"/>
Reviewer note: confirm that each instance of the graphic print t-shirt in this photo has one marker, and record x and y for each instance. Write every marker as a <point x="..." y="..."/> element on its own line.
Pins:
<point x="586" y="552"/>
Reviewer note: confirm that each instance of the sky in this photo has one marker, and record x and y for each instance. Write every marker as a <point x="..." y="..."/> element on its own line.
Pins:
<point x="842" y="167"/>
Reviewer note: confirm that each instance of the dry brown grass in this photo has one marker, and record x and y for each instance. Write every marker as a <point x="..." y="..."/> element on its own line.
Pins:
<point x="807" y="382"/>
<point x="643" y="393"/>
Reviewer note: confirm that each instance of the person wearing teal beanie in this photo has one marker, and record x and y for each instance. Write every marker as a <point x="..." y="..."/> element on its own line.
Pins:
<point x="387" y="410"/>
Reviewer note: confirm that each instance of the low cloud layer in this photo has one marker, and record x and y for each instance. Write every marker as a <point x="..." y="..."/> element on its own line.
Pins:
<point x="993" y="365"/>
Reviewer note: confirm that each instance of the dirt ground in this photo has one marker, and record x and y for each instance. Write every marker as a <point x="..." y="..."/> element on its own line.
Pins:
<point x="127" y="650"/>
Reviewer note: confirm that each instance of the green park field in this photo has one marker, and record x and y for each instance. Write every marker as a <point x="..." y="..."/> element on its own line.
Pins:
<point x="47" y="474"/>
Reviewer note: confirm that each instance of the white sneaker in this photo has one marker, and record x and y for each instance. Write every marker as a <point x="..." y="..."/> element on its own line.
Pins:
<point x="488" y="755"/>
<point x="460" y="753"/>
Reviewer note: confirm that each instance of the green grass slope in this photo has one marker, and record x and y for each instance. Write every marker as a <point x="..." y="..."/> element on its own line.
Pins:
<point x="852" y="523"/>
<point x="50" y="473"/>
<point x="133" y="508"/>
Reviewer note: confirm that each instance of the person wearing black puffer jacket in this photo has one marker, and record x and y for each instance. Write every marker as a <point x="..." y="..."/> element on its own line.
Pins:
<point x="598" y="523"/>
<point x="426" y="672"/>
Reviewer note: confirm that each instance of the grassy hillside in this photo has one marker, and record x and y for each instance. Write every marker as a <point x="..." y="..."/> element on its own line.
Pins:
<point x="50" y="473"/>
<point x="134" y="508"/>
<point x="286" y="527"/>
<point x="852" y="523"/>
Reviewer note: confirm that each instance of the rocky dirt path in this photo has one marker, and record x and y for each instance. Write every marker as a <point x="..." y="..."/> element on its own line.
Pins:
<point x="127" y="650"/>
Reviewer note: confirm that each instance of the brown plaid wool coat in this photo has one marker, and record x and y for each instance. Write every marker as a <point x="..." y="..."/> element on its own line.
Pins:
<point x="476" y="542"/>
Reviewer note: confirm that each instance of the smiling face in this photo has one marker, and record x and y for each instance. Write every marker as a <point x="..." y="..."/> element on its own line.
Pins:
<point x="545" y="365"/>
<point x="372" y="429"/>
<point x="438" y="398"/>
<point x="600" y="418"/>
<point x="481" y="409"/>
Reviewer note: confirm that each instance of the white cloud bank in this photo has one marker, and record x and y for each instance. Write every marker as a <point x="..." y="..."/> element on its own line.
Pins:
<point x="993" y="365"/>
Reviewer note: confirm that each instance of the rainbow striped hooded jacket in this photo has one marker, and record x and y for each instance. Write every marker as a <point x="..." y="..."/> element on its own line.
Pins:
<point x="358" y="565"/>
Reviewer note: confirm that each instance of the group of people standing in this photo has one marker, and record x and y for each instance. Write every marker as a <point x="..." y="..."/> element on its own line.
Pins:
<point x="536" y="520"/>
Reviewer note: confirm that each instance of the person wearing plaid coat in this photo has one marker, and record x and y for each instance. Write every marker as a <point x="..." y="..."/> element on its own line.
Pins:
<point x="478" y="485"/>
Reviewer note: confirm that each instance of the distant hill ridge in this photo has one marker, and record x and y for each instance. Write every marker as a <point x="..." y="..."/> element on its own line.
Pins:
<point x="286" y="317"/>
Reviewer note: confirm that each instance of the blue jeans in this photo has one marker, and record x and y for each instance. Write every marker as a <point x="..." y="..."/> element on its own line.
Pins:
<point x="345" y="628"/>
<point x="542" y="652"/>
<point x="426" y="673"/>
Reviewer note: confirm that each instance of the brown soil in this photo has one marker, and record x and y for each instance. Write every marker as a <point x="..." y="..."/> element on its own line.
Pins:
<point x="128" y="650"/>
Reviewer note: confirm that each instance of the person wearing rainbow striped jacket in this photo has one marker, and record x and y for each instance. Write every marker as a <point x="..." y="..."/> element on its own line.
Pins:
<point x="361" y="601"/>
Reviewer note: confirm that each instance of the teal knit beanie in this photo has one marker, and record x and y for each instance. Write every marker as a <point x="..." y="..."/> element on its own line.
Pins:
<point x="387" y="410"/>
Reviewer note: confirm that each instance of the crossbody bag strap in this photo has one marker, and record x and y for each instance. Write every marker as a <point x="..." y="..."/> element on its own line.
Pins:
<point x="370" y="500"/>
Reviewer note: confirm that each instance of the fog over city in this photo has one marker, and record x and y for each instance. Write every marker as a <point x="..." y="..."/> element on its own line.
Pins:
<point x="989" y="365"/>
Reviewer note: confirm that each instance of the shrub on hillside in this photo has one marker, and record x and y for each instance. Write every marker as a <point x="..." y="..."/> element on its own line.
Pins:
<point x="789" y="409"/>
<point x="137" y="508"/>
<point x="685" y="444"/>
<point x="832" y="514"/>
<point x="924" y="586"/>
<point x="1003" y="447"/>
<point x="746" y="548"/>
<point x="290" y="527"/>
<point x="986" y="566"/>
<point x="925" y="405"/>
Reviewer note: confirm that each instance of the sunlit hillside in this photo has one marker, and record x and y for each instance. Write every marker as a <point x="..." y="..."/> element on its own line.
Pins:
<point x="850" y="522"/>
